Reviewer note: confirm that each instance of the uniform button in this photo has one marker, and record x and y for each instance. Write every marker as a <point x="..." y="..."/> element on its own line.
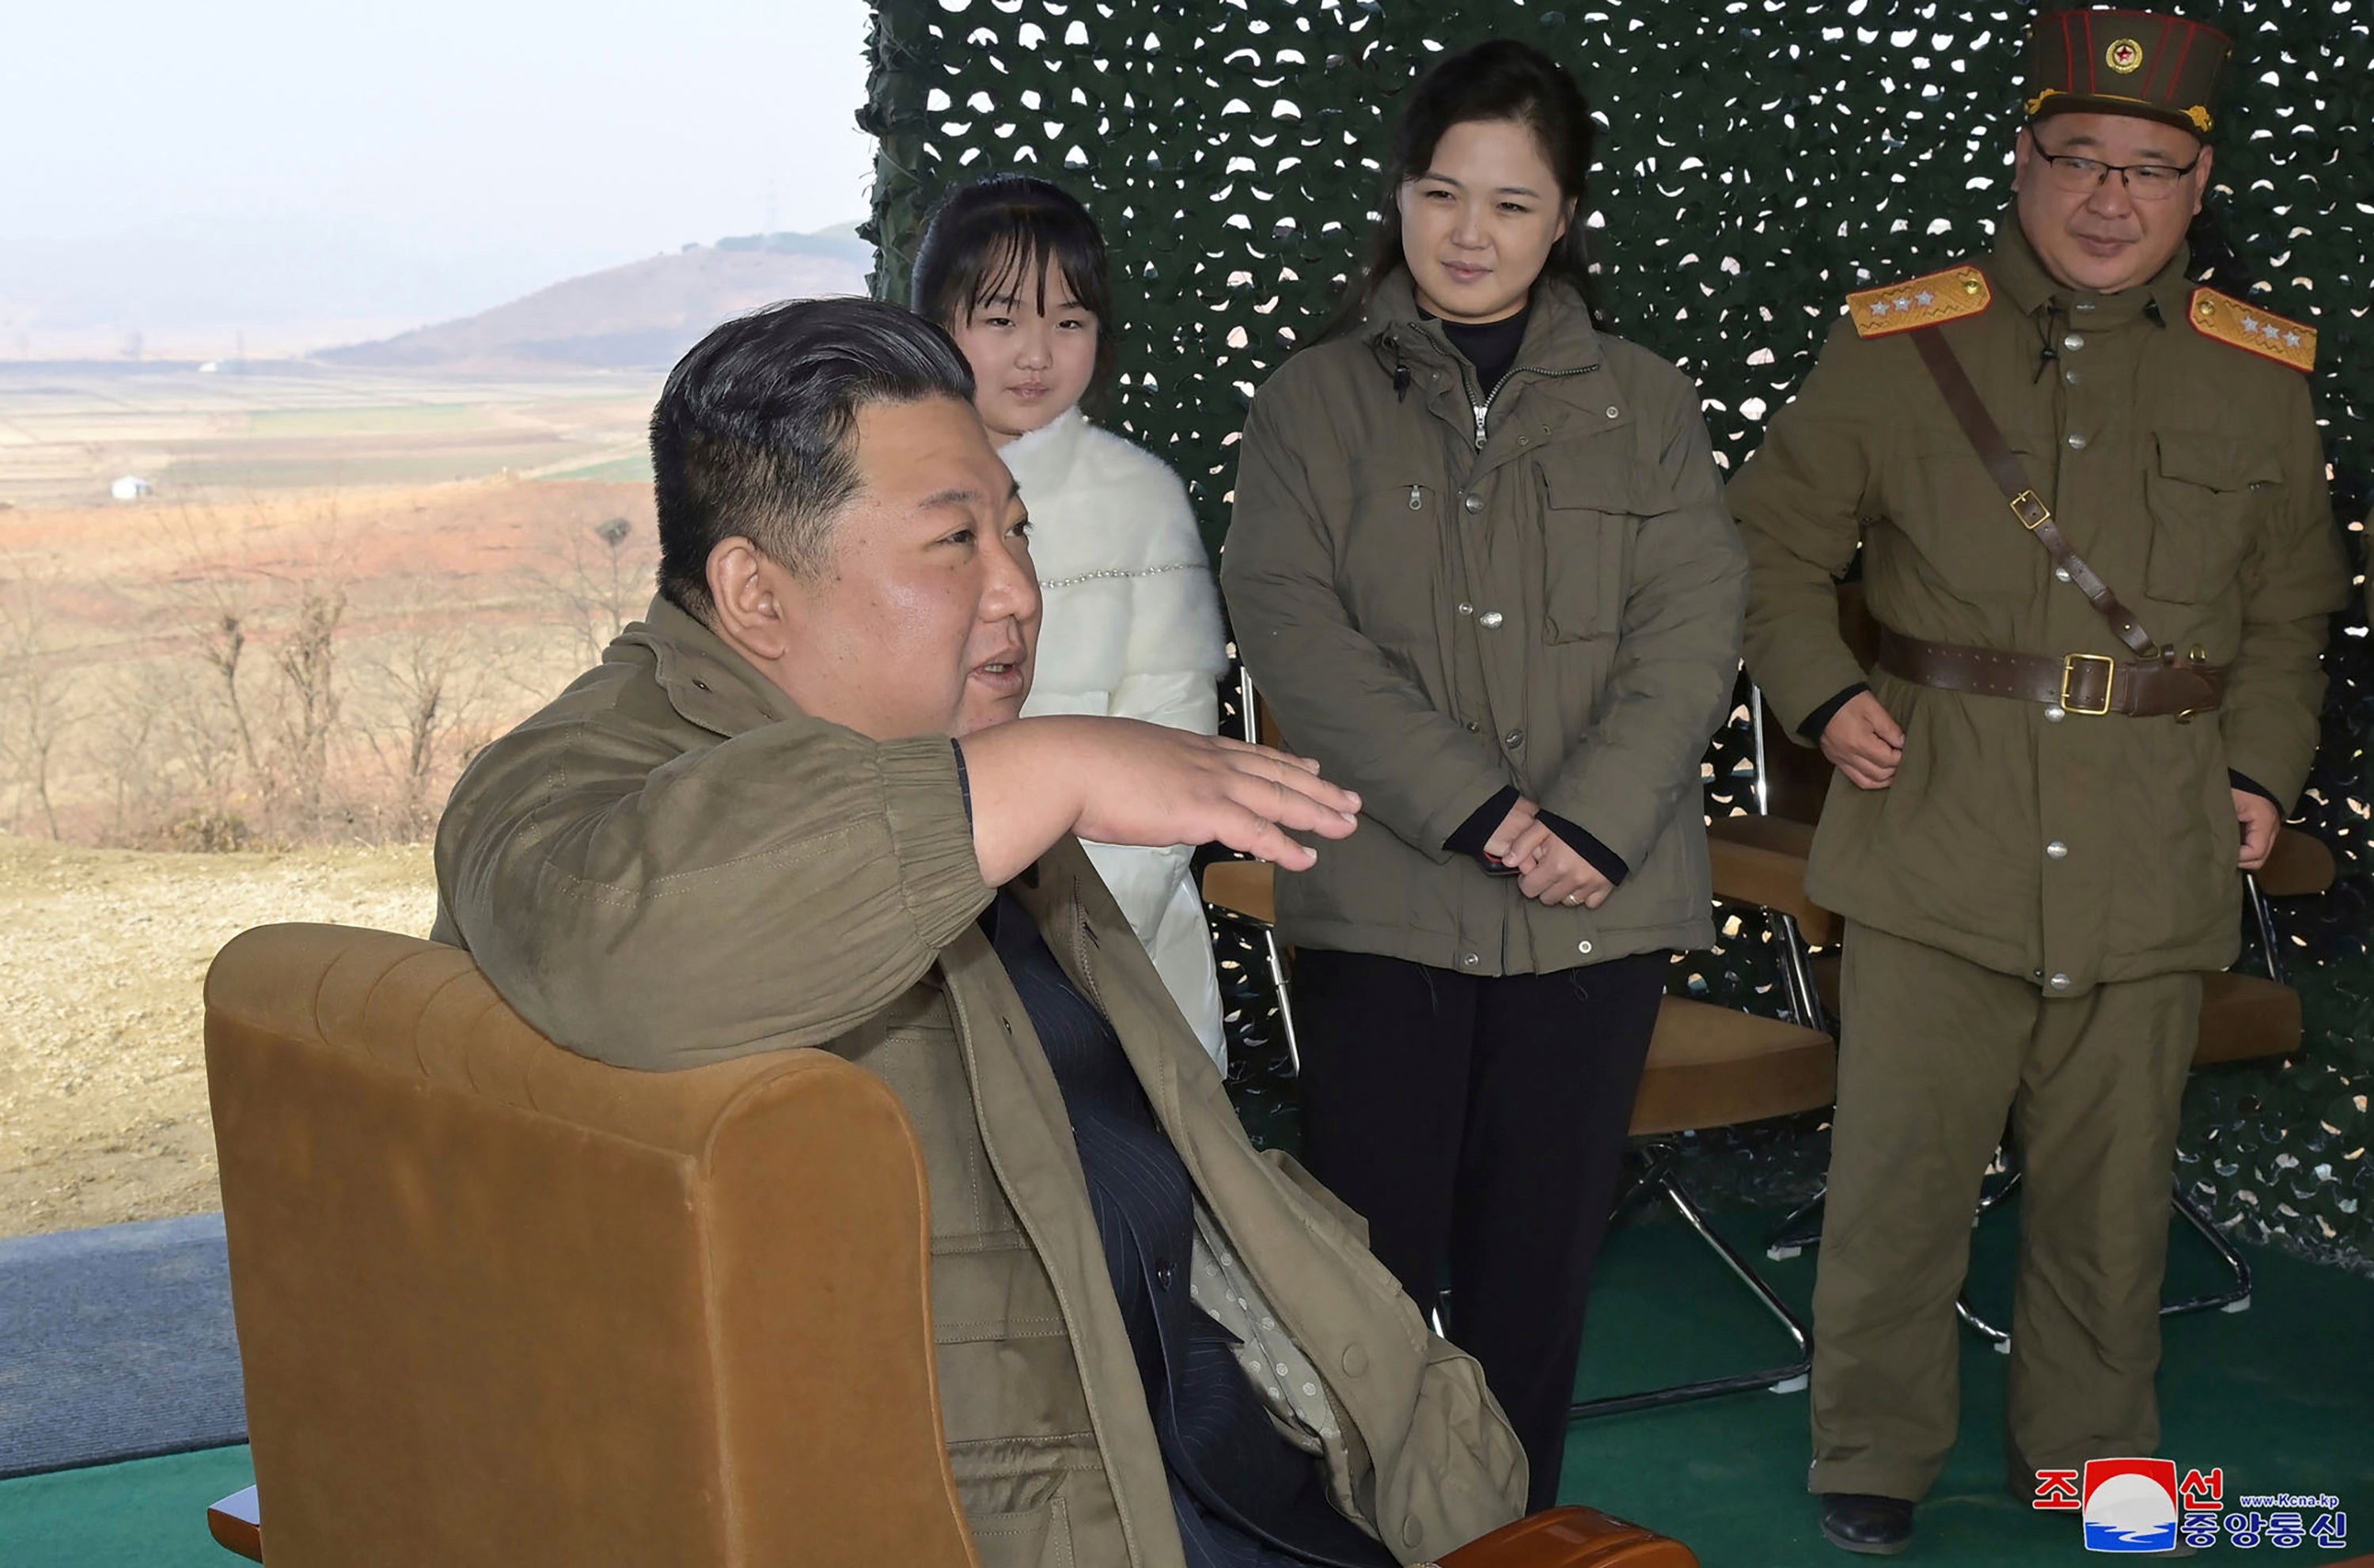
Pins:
<point x="2057" y="850"/>
<point x="1355" y="1359"/>
<point x="2077" y="442"/>
<point x="1469" y="960"/>
<point x="2056" y="714"/>
<point x="2084" y="307"/>
<point x="1412" y="1531"/>
<point x="2069" y="378"/>
<point x="2059" y="982"/>
<point x="2060" y="574"/>
<point x="1473" y="727"/>
<point x="2073" y="342"/>
<point x="1474" y="503"/>
<point x="1467" y="609"/>
<point x="1489" y="620"/>
<point x="1583" y="948"/>
<point x="1612" y="411"/>
<point x="1513" y="739"/>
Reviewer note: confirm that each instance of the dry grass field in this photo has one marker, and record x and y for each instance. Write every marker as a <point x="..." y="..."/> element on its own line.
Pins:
<point x="102" y="1073"/>
<point x="340" y="586"/>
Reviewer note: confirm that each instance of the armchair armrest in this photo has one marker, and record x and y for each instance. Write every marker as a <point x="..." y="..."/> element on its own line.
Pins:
<point x="501" y="1304"/>
<point x="1572" y="1537"/>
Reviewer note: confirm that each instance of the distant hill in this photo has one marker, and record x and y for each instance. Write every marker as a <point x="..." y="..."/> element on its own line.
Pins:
<point x="641" y="315"/>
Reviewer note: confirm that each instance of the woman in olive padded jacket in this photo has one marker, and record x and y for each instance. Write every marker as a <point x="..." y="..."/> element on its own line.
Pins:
<point x="1481" y="566"/>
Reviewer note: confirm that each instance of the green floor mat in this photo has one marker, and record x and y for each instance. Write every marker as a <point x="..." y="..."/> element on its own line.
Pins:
<point x="144" y="1514"/>
<point x="2281" y="1397"/>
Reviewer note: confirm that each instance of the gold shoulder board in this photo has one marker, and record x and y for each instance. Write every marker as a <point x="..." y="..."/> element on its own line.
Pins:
<point x="2262" y="333"/>
<point x="1946" y="296"/>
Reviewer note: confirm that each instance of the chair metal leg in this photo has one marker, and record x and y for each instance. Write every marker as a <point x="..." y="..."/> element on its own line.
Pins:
<point x="2270" y="940"/>
<point x="1285" y="1000"/>
<point x="2234" y="1298"/>
<point x="1998" y="1338"/>
<point x="1801" y="1230"/>
<point x="1988" y="1197"/>
<point x="1756" y="749"/>
<point x="1797" y="976"/>
<point x="1784" y="1379"/>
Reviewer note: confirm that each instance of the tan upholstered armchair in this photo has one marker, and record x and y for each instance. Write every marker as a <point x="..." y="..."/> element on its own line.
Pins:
<point x="501" y="1304"/>
<point x="498" y="1303"/>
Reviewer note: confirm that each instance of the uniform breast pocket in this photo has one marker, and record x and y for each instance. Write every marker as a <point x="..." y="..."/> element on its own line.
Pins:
<point x="1591" y="515"/>
<point x="2204" y="492"/>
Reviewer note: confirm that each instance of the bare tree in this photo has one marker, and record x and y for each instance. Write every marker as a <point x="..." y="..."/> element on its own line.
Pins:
<point x="215" y="602"/>
<point x="601" y="582"/>
<point x="432" y="683"/>
<point x="222" y="639"/>
<point x="131" y="721"/>
<point x="307" y="660"/>
<point x="35" y="682"/>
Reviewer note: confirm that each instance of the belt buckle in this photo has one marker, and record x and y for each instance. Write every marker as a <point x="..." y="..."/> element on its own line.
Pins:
<point x="2069" y="671"/>
<point x="2029" y="508"/>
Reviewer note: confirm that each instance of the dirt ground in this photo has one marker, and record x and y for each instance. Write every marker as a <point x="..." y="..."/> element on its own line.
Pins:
<point x="102" y="952"/>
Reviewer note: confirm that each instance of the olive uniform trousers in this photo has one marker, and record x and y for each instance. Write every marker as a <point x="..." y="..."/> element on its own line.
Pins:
<point x="1936" y="1054"/>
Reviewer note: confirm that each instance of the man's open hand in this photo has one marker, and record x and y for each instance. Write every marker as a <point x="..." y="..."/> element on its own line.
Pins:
<point x="1151" y="784"/>
<point x="1123" y="782"/>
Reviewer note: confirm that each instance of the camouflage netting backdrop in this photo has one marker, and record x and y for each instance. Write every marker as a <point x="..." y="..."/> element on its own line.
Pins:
<point x="1758" y="159"/>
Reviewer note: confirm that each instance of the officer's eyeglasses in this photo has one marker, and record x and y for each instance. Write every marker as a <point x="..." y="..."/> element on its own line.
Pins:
<point x="2144" y="182"/>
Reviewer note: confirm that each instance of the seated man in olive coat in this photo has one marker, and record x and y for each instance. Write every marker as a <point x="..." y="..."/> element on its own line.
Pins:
<point x="794" y="806"/>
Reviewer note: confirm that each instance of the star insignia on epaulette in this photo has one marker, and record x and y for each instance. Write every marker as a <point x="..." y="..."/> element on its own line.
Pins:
<point x="2246" y="327"/>
<point x="1921" y="302"/>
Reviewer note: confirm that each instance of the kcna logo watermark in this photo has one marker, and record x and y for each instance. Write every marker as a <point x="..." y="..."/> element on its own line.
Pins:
<point x="2139" y="1506"/>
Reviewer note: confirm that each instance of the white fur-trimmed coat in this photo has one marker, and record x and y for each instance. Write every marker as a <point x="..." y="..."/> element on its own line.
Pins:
<point x="1131" y="628"/>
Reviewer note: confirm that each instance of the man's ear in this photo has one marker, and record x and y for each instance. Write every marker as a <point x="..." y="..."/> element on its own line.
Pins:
<point x="754" y="610"/>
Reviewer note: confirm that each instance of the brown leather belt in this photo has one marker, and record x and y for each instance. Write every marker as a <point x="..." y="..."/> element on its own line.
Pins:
<point x="2078" y="682"/>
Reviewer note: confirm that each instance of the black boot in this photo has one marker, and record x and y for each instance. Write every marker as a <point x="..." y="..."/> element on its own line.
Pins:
<point x="1854" y="1521"/>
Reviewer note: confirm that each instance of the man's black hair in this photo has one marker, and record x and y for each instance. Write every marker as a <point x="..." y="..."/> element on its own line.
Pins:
<point x="752" y="435"/>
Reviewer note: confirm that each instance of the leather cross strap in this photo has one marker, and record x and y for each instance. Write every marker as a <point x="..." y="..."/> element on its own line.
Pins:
<point x="2003" y="464"/>
<point x="2076" y="682"/>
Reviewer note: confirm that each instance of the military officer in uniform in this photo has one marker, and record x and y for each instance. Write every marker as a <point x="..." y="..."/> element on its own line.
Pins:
<point x="2091" y="504"/>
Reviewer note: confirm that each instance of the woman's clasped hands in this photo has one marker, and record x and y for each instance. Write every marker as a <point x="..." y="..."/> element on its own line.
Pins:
<point x="1549" y="870"/>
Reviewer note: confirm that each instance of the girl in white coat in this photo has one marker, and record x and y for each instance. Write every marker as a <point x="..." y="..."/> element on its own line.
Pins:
<point x="1014" y="268"/>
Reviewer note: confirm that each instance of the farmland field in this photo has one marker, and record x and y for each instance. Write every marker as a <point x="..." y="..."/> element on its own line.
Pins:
<point x="68" y="432"/>
<point x="338" y="584"/>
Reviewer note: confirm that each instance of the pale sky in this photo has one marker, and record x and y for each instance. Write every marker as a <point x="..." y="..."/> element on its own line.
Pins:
<point x="425" y="158"/>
